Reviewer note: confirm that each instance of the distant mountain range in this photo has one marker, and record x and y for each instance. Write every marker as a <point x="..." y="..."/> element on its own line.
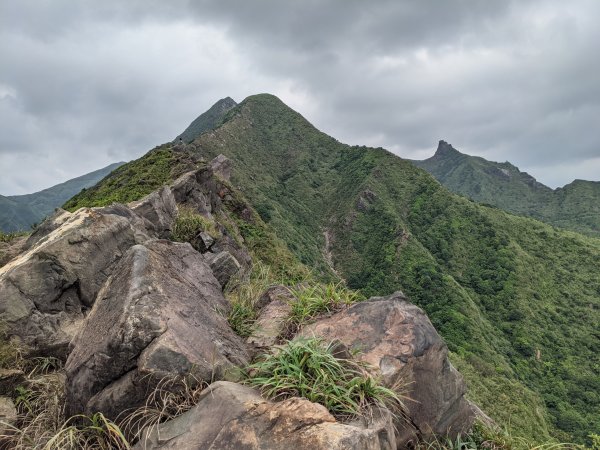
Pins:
<point x="575" y="206"/>
<point x="20" y="212"/>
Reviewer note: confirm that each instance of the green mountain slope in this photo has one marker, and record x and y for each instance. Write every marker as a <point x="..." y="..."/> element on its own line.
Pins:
<point x="207" y="121"/>
<point x="19" y="212"/>
<point x="575" y="206"/>
<point x="15" y="216"/>
<point x="517" y="301"/>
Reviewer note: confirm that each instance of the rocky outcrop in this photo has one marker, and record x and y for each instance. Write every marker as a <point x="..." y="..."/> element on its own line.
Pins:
<point x="45" y="290"/>
<point x="159" y="209"/>
<point x="397" y="339"/>
<point x="224" y="266"/>
<point x="205" y="190"/>
<point x="161" y="313"/>
<point x="232" y="416"/>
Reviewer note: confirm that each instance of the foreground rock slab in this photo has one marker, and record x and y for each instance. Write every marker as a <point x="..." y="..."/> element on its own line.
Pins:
<point x="45" y="290"/>
<point x="397" y="339"/>
<point x="232" y="416"/>
<point x="160" y="314"/>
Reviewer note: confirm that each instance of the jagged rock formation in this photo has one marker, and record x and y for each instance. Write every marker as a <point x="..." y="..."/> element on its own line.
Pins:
<point x="46" y="290"/>
<point x="130" y="309"/>
<point x="231" y="416"/>
<point x="160" y="314"/>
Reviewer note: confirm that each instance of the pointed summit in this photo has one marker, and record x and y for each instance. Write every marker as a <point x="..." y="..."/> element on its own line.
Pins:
<point x="445" y="149"/>
<point x="207" y="120"/>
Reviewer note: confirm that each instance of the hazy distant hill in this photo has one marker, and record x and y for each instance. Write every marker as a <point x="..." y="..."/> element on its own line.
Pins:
<point x="516" y="300"/>
<point x="575" y="206"/>
<point x="207" y="120"/>
<point x="19" y="212"/>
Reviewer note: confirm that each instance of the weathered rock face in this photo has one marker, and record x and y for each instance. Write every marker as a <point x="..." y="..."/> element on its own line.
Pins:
<point x="399" y="341"/>
<point x="159" y="209"/>
<point x="161" y="313"/>
<point x="9" y="250"/>
<point x="232" y="416"/>
<point x="275" y="309"/>
<point x="223" y="265"/>
<point x="45" y="290"/>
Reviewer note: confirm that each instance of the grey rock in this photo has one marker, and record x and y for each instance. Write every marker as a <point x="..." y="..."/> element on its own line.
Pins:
<point x="160" y="314"/>
<point x="197" y="189"/>
<point x="227" y="244"/>
<point x="8" y="416"/>
<point x="203" y="242"/>
<point x="51" y="223"/>
<point x="274" y="293"/>
<point x="159" y="209"/>
<point x="271" y="323"/>
<point x="10" y="250"/>
<point x="232" y="416"/>
<point x="224" y="266"/>
<point x="46" y="289"/>
<point x="401" y="345"/>
<point x="221" y="166"/>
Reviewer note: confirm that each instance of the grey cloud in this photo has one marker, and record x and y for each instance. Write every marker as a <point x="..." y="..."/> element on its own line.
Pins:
<point x="94" y="82"/>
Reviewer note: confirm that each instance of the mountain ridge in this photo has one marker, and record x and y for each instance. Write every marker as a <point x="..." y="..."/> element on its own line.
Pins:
<point x="20" y="212"/>
<point x="495" y="285"/>
<point x="574" y="206"/>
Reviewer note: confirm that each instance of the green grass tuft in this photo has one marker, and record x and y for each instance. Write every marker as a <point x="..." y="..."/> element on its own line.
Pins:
<point x="243" y="294"/>
<point x="189" y="223"/>
<point x="307" y="368"/>
<point x="317" y="299"/>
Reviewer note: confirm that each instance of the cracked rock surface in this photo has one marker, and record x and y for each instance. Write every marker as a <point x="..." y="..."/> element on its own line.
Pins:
<point x="161" y="313"/>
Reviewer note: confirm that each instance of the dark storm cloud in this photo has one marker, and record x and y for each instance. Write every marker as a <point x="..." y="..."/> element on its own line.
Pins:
<point x="89" y="83"/>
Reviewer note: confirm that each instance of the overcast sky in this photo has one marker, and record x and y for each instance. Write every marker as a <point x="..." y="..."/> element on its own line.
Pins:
<point x="87" y="83"/>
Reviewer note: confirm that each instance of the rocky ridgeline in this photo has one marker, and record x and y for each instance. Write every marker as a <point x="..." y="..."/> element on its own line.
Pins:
<point x="103" y="289"/>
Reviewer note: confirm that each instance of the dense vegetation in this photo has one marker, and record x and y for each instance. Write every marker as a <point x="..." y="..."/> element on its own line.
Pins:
<point x="517" y="301"/>
<point x="575" y="206"/>
<point x="20" y="212"/>
<point x="134" y="180"/>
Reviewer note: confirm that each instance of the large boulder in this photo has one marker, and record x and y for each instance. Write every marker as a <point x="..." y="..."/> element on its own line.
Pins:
<point x="161" y="313"/>
<point x="397" y="339"/>
<point x="45" y="291"/>
<point x="232" y="416"/>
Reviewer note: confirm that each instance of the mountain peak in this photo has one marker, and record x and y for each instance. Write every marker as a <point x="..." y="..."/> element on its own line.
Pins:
<point x="207" y="120"/>
<point x="445" y="149"/>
